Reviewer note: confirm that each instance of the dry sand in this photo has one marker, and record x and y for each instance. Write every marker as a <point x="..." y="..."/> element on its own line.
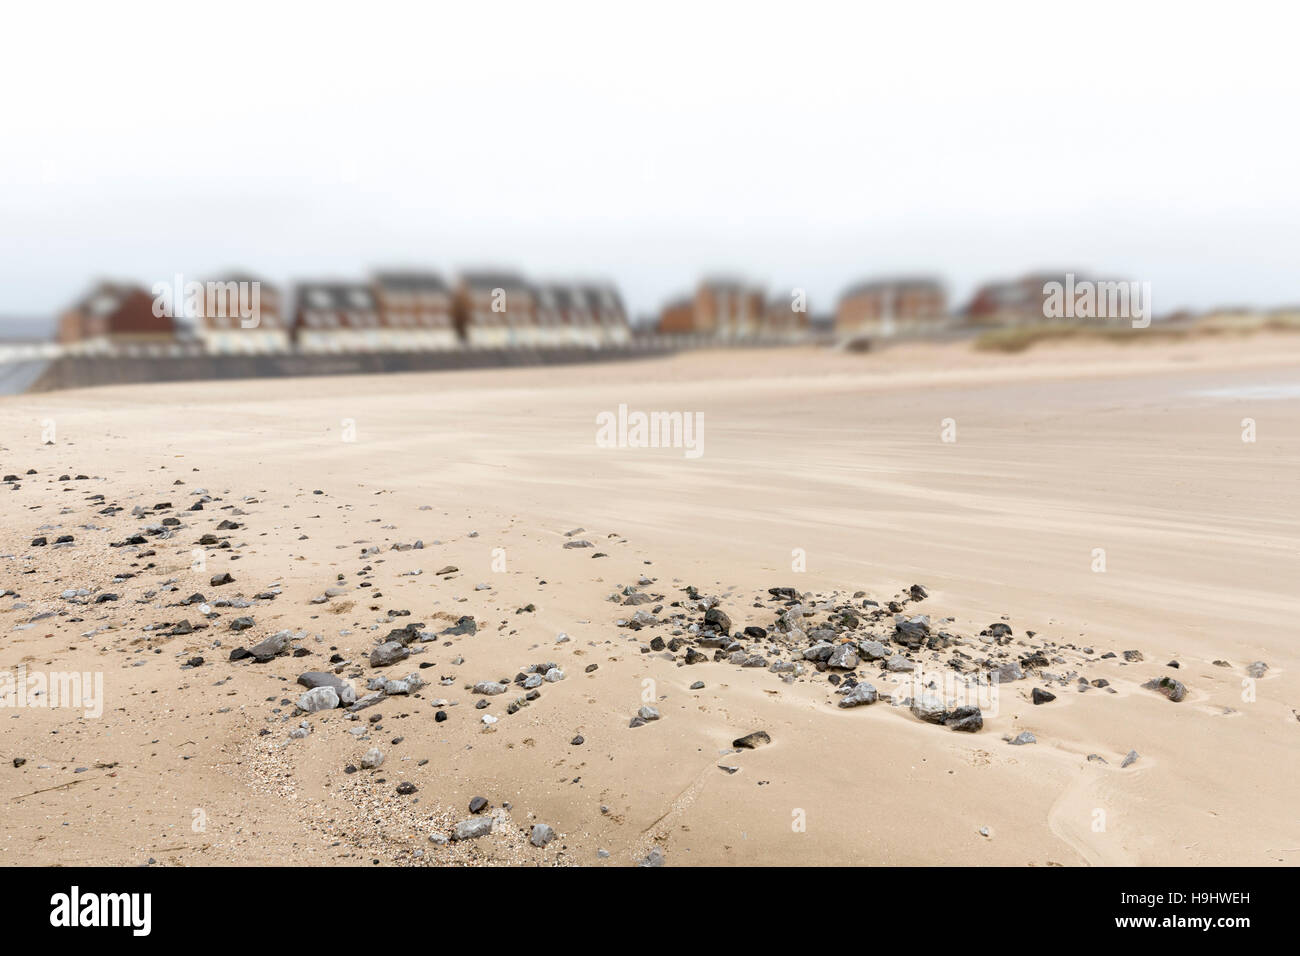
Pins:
<point x="1059" y="451"/>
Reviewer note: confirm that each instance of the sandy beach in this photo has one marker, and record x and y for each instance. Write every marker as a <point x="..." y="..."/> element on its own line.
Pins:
<point x="1090" y="499"/>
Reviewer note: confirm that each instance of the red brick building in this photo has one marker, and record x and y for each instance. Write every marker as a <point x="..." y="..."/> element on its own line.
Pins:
<point x="496" y="310"/>
<point x="724" y="308"/>
<point x="111" y="315"/>
<point x="415" y="311"/>
<point x="891" y="306"/>
<point x="783" y="320"/>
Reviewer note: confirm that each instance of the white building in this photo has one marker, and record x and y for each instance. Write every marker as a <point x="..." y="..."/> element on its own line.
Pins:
<point x="241" y="315"/>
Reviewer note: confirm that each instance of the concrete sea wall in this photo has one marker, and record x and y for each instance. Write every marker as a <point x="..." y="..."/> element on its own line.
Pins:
<point x="85" y="372"/>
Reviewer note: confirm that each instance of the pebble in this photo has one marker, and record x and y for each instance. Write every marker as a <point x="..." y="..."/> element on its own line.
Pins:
<point x="472" y="828"/>
<point x="1175" y="690"/>
<point x="858" y="695"/>
<point x="317" y="699"/>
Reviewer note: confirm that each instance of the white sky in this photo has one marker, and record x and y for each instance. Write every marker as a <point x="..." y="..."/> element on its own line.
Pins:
<point x="797" y="144"/>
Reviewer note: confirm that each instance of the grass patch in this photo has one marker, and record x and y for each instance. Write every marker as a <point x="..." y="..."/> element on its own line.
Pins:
<point x="1020" y="337"/>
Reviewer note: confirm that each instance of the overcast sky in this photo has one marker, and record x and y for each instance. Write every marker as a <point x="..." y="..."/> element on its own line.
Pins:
<point x="799" y="145"/>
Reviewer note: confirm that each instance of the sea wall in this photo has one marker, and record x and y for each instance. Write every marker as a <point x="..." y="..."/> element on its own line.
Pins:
<point x="85" y="371"/>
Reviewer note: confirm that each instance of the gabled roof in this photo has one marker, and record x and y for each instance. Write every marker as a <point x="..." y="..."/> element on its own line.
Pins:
<point x="894" y="284"/>
<point x="410" y="281"/>
<point x="728" y="284"/>
<point x="235" y="275"/>
<point x="604" y="296"/>
<point x="595" y="299"/>
<point x="105" y="297"/>
<point x="267" y="321"/>
<point x="349" y="305"/>
<point x="336" y="296"/>
<point x="486" y="280"/>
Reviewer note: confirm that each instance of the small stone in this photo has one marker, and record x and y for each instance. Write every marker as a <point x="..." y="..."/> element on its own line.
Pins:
<point x="873" y="650"/>
<point x="390" y="652"/>
<point x="929" y="708"/>
<point x="860" y="694"/>
<point x="317" y="699"/>
<point x="717" y="619"/>
<point x="654" y="858"/>
<point x="758" y="738"/>
<point x="1173" y="689"/>
<point x="843" y="656"/>
<point x="472" y="828"/>
<point x="541" y="835"/>
<point x="967" y="719"/>
<point x="1005" y="673"/>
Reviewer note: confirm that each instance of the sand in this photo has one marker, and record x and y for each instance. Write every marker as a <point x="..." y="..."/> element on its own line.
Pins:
<point x="839" y="458"/>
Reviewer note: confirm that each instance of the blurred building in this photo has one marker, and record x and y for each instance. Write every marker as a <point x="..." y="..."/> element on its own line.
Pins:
<point x="415" y="311"/>
<point x="113" y="315"/>
<point x="336" y="317"/>
<point x="723" y="308"/>
<point x="1059" y="297"/>
<point x="496" y="310"/>
<point x="589" y="315"/>
<point x="241" y="314"/>
<point x="609" y="312"/>
<point x="885" y="307"/>
<point x="783" y="320"/>
<point x="1011" y="302"/>
<point x="677" y="317"/>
